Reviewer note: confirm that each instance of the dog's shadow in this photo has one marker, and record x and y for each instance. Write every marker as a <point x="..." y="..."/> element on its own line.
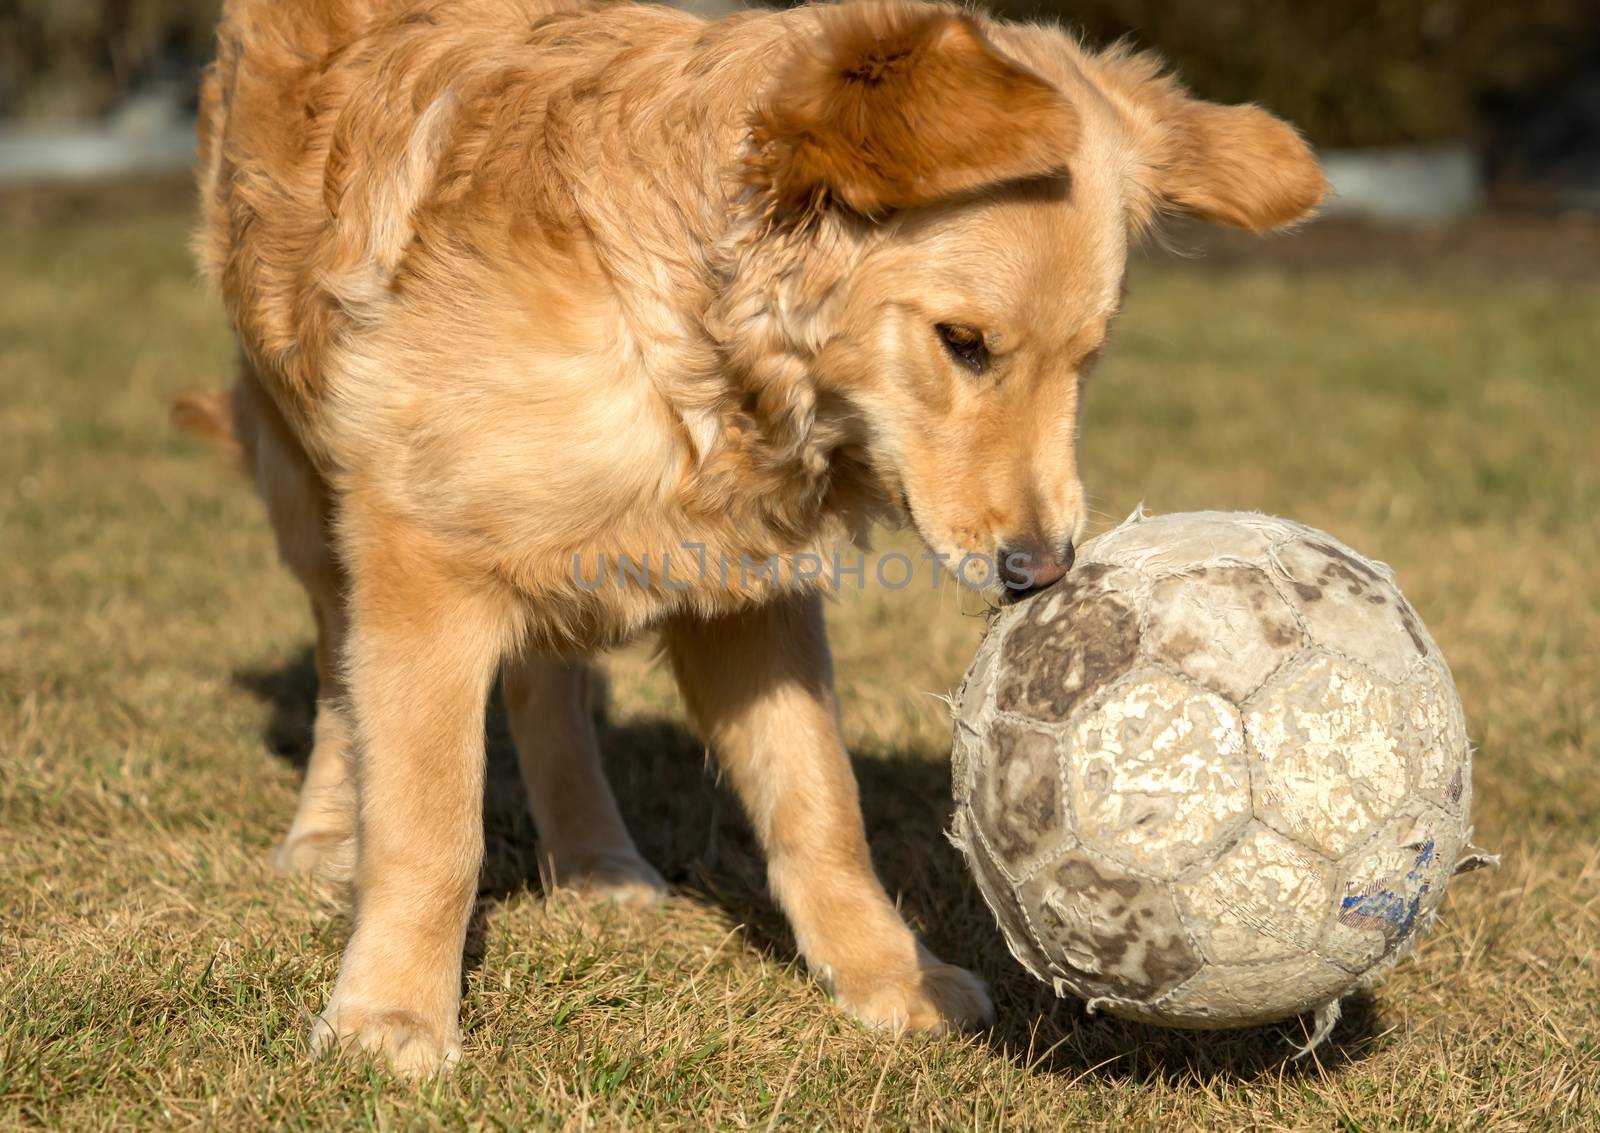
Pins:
<point x="690" y="828"/>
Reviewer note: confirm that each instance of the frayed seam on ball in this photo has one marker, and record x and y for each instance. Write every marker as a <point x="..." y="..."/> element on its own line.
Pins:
<point x="1474" y="857"/>
<point x="1326" y="1019"/>
<point x="956" y="835"/>
<point x="1133" y="1007"/>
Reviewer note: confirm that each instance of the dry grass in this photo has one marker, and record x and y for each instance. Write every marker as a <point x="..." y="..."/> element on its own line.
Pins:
<point x="154" y="695"/>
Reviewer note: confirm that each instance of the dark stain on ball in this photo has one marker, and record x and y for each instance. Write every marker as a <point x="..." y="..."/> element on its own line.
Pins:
<point x="1129" y="931"/>
<point x="1181" y="645"/>
<point x="1280" y="633"/>
<point x="1090" y="573"/>
<point x="1307" y="592"/>
<point x="1052" y="664"/>
<point x="1278" y="626"/>
<point x="1408" y="618"/>
<point x="1018" y="802"/>
<point x="1340" y="567"/>
<point x="1349" y="562"/>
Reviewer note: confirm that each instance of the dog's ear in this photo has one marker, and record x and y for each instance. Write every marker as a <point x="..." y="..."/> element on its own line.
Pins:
<point x="892" y="105"/>
<point x="1237" y="165"/>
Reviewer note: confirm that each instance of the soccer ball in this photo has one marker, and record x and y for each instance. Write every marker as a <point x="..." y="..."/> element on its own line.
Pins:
<point x="1217" y="776"/>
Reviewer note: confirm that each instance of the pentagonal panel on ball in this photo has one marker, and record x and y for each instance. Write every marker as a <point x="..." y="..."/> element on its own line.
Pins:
<point x="1326" y="739"/>
<point x="1242" y="995"/>
<point x="1224" y="626"/>
<point x="1390" y="887"/>
<point x="1066" y="645"/>
<point x="1156" y="772"/>
<point x="1348" y="605"/>
<point x="1016" y="792"/>
<point x="1108" y="931"/>
<point x="1265" y="899"/>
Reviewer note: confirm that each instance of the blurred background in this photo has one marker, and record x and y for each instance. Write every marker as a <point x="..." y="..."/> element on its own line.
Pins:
<point x="1423" y="108"/>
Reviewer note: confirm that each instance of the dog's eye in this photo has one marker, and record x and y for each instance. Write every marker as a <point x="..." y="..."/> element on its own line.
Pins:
<point x="965" y="345"/>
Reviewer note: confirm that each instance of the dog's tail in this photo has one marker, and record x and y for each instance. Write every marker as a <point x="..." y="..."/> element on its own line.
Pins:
<point x="213" y="416"/>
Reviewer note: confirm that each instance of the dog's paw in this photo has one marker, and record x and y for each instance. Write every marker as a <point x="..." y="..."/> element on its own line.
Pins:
<point x="324" y="853"/>
<point x="412" y="1047"/>
<point x="622" y="878"/>
<point x="934" y="998"/>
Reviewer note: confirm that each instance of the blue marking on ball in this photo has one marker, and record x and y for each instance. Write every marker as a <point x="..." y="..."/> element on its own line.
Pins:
<point x="1386" y="907"/>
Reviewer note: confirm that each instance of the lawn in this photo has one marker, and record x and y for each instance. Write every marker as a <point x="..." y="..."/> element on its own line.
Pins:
<point x="155" y="694"/>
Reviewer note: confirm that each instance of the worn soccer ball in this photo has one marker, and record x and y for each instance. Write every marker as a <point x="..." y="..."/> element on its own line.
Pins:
<point x="1217" y="776"/>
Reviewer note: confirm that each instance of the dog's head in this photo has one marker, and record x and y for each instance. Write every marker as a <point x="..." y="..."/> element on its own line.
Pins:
<point x="949" y="205"/>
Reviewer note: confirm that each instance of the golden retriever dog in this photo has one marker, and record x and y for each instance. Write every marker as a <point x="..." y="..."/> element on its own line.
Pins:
<point x="521" y="286"/>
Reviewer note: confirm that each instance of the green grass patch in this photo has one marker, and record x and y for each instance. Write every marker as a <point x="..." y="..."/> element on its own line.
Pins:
<point x="155" y="694"/>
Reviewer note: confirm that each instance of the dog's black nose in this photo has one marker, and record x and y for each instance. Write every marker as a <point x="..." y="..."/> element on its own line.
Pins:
<point x="1024" y="570"/>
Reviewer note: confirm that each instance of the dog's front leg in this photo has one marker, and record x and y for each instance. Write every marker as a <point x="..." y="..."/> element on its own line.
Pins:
<point x="424" y="642"/>
<point x="760" y="686"/>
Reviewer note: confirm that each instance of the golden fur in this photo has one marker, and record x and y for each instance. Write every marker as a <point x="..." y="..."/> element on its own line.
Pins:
<point x="516" y="281"/>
